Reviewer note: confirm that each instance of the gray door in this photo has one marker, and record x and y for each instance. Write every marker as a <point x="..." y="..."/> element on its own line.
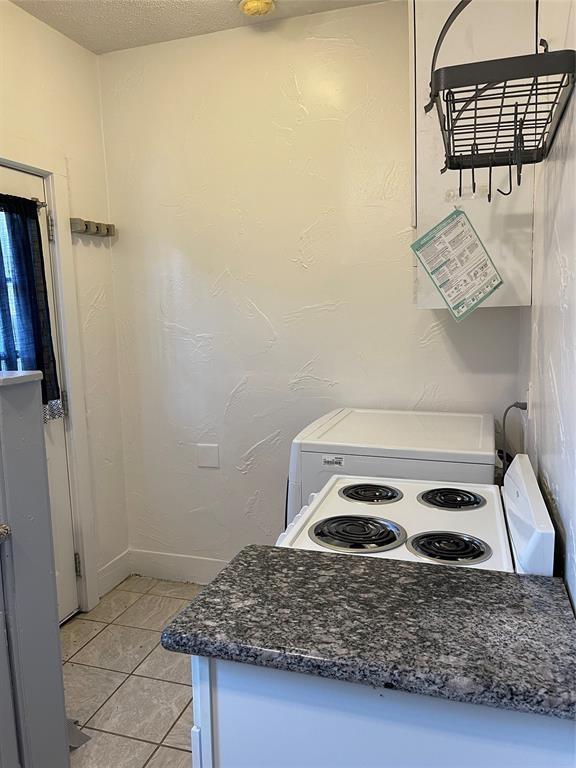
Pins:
<point x="8" y="740"/>
<point x="28" y="578"/>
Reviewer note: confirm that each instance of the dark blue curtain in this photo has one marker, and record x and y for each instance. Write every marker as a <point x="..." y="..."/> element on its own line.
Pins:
<point x="26" y="337"/>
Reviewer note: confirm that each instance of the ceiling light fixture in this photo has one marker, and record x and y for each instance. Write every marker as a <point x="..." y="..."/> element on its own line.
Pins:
<point x="256" y="7"/>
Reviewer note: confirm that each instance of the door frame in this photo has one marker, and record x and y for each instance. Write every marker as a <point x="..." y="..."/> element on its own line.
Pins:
<point x="52" y="167"/>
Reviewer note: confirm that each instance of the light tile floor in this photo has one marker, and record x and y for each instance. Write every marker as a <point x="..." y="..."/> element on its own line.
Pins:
<point x="131" y="696"/>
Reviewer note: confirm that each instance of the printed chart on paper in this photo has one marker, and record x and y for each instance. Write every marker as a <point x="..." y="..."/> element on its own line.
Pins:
<point x="458" y="264"/>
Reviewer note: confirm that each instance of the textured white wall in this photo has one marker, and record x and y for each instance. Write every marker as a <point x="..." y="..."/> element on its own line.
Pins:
<point x="552" y="422"/>
<point x="49" y="97"/>
<point x="260" y="179"/>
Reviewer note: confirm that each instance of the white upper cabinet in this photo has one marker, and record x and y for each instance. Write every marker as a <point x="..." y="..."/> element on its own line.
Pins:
<point x="486" y="29"/>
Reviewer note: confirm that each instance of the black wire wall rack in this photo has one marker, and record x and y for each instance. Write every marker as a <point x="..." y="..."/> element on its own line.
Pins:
<point x="501" y="112"/>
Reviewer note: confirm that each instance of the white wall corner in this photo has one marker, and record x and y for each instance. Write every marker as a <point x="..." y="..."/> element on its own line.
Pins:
<point x="114" y="572"/>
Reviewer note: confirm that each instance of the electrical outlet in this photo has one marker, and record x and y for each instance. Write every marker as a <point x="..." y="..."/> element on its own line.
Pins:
<point x="208" y="455"/>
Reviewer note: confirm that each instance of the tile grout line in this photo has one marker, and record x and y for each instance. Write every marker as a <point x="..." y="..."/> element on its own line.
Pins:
<point x="149" y="761"/>
<point x="140" y="594"/>
<point x="123" y="736"/>
<point x="115" y="670"/>
<point x="159" y="747"/>
<point x="179" y="599"/>
<point x="114" y="733"/>
<point x="129" y="675"/>
<point x="146" y="657"/>
<point x="129" y="591"/>
<point x="125" y="626"/>
<point x="136" y="738"/>
<point x="175" y="721"/>
<point x="71" y="659"/>
<point x="107" y="698"/>
<point x="177" y="749"/>
<point x="115" y="621"/>
<point x="84" y="617"/>
<point x="65" y="661"/>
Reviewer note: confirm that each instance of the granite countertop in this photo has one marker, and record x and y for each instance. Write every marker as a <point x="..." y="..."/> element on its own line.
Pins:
<point x="464" y="634"/>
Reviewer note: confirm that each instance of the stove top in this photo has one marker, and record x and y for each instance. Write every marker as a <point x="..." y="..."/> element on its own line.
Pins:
<point x="411" y="520"/>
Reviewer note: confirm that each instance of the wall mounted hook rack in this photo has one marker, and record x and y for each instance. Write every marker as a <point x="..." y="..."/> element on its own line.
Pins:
<point x="94" y="228"/>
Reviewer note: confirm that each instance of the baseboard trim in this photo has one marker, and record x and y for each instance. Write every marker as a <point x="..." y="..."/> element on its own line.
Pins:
<point x="111" y="574"/>
<point x="163" y="565"/>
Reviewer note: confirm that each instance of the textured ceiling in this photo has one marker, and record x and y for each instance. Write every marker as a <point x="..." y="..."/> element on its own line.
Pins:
<point x="111" y="25"/>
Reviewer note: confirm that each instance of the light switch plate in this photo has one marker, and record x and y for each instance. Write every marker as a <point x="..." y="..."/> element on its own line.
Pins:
<point x="208" y="455"/>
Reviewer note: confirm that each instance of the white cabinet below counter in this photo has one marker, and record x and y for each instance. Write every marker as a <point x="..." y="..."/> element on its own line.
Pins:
<point x="486" y="29"/>
<point x="247" y="716"/>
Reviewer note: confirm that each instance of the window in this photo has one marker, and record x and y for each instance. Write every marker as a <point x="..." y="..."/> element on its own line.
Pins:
<point x="14" y="328"/>
<point x="26" y="337"/>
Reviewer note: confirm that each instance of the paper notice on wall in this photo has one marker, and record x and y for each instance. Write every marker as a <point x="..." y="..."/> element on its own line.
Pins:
<point x="458" y="264"/>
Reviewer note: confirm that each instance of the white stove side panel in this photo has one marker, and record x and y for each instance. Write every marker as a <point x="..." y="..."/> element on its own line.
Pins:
<point x="318" y="468"/>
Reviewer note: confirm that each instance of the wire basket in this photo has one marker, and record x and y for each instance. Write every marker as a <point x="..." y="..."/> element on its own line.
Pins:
<point x="502" y="112"/>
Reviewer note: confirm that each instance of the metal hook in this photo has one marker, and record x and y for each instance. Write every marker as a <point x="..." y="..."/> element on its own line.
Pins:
<point x="509" y="176"/>
<point x="474" y="152"/>
<point x="519" y="148"/>
<point x="518" y="144"/>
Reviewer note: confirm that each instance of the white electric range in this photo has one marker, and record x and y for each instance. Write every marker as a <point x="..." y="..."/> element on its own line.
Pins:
<point x="465" y="525"/>
<point x="420" y="445"/>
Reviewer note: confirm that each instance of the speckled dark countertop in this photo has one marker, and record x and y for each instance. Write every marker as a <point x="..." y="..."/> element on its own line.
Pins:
<point x="463" y="634"/>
